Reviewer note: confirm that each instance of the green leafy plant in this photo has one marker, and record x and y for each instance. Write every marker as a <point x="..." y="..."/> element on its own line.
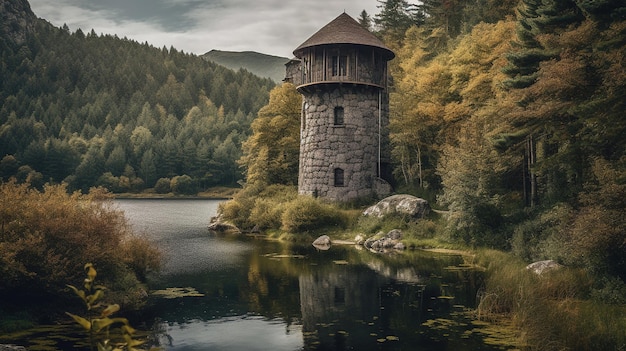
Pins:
<point x="98" y="321"/>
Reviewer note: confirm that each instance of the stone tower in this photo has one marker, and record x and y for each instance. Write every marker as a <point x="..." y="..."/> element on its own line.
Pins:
<point x="341" y="72"/>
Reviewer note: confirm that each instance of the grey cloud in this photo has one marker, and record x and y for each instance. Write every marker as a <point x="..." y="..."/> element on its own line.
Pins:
<point x="273" y="27"/>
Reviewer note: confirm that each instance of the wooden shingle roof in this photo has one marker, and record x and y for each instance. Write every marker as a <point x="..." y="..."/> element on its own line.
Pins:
<point x="344" y="30"/>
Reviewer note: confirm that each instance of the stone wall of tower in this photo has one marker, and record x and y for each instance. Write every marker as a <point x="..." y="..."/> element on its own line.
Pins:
<point x="351" y="146"/>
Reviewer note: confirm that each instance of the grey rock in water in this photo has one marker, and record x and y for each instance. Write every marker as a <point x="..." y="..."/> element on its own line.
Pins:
<point x="541" y="267"/>
<point x="402" y="204"/>
<point x="323" y="240"/>
<point x="5" y="347"/>
<point x="389" y="241"/>
<point x="217" y="225"/>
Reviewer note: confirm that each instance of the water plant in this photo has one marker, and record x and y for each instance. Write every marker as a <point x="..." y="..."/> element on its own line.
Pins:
<point x="98" y="321"/>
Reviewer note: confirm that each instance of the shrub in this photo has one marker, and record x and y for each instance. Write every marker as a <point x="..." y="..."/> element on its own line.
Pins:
<point x="183" y="185"/>
<point x="267" y="214"/>
<point x="45" y="238"/>
<point x="114" y="184"/>
<point x="258" y="204"/>
<point x="141" y="256"/>
<point x="162" y="186"/>
<point x="308" y="214"/>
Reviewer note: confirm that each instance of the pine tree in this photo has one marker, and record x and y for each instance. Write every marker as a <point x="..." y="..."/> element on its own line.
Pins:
<point x="396" y="16"/>
<point x="524" y="61"/>
<point x="365" y="20"/>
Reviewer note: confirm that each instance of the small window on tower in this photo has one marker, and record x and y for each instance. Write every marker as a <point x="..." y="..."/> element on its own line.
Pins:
<point x="340" y="296"/>
<point x="338" y="120"/>
<point x="339" y="177"/>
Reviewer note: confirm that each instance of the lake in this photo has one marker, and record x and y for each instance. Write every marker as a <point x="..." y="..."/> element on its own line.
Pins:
<point x="242" y="293"/>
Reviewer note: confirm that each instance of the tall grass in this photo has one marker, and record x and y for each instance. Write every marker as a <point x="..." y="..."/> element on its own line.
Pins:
<point x="552" y="311"/>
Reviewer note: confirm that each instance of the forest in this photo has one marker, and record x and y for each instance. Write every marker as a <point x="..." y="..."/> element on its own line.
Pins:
<point x="512" y="115"/>
<point x="97" y="110"/>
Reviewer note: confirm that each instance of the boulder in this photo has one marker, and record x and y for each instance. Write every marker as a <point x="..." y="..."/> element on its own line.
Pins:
<point x="359" y="239"/>
<point x="323" y="240"/>
<point x="541" y="267"/>
<point x="395" y="234"/>
<point x="410" y="205"/>
<point x="217" y="225"/>
<point x="399" y="246"/>
<point x="8" y="347"/>
<point x="389" y="241"/>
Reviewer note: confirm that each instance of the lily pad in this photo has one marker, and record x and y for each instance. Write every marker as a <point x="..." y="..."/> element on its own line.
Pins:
<point x="173" y="293"/>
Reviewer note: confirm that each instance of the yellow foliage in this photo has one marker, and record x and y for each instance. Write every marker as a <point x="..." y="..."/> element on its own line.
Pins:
<point x="271" y="153"/>
<point x="45" y="237"/>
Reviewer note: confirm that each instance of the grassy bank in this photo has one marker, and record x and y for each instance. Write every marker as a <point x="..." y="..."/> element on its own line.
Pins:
<point x="218" y="193"/>
<point x="554" y="311"/>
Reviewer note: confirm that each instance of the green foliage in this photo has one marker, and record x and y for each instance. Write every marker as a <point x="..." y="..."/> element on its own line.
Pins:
<point x="98" y="322"/>
<point x="44" y="236"/>
<point x="278" y="207"/>
<point x="271" y="153"/>
<point x="396" y="16"/>
<point x="83" y="108"/>
<point x="162" y="186"/>
<point x="306" y="214"/>
<point x="183" y="185"/>
<point x="258" y="205"/>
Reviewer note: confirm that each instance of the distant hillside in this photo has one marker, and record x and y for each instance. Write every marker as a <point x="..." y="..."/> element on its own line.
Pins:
<point x="262" y="65"/>
<point x="95" y="110"/>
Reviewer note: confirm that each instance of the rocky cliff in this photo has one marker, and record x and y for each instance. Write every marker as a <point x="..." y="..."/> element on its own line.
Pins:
<point x="17" y="20"/>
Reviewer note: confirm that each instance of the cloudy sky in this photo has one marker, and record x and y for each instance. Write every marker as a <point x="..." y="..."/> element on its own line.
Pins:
<point x="274" y="27"/>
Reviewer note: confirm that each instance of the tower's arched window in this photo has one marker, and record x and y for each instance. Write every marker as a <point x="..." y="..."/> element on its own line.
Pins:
<point x="338" y="119"/>
<point x="339" y="177"/>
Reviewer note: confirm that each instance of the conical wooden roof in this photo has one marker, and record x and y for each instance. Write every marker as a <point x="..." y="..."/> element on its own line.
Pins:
<point x="344" y="30"/>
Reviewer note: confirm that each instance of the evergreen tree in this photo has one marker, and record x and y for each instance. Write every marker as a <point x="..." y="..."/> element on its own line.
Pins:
<point x="396" y="16"/>
<point x="147" y="168"/>
<point x="524" y="62"/>
<point x="365" y="20"/>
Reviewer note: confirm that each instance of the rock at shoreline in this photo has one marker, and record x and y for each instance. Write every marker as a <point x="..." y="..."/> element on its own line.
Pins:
<point x="389" y="241"/>
<point x="4" y="347"/>
<point x="217" y="225"/>
<point x="322" y="241"/>
<point x="359" y="239"/>
<point x="541" y="267"/>
<point x="402" y="204"/>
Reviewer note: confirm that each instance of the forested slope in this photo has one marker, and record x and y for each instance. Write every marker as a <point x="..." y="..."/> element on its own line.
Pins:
<point x="517" y="124"/>
<point x="93" y="109"/>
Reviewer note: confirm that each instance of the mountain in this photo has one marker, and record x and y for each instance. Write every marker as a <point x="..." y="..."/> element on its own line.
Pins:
<point x="16" y="20"/>
<point x="262" y="65"/>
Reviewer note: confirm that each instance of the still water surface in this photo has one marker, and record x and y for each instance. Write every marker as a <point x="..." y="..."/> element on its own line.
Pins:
<point x="224" y="293"/>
